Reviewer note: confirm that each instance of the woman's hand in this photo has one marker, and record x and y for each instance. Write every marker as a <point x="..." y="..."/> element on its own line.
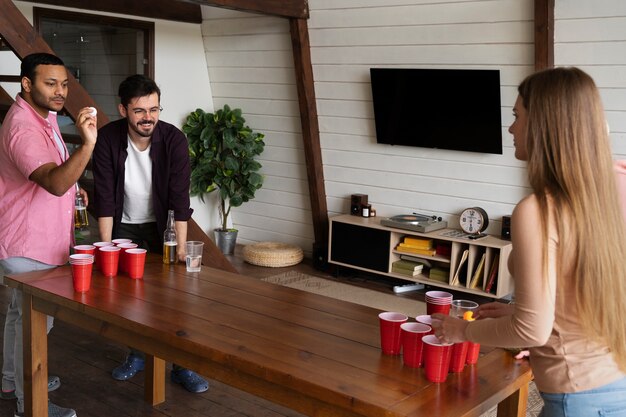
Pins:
<point x="522" y="354"/>
<point x="449" y="329"/>
<point x="493" y="310"/>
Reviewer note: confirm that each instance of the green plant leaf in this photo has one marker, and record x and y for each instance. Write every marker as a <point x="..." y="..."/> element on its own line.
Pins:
<point x="222" y="150"/>
<point x="255" y="179"/>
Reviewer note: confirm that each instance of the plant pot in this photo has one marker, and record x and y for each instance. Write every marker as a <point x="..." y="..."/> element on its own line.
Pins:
<point x="226" y="240"/>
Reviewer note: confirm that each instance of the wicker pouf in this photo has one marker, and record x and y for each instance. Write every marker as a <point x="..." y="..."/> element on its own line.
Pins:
<point x="272" y="254"/>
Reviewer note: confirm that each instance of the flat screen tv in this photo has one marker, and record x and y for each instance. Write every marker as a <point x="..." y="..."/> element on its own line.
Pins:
<point x="457" y="109"/>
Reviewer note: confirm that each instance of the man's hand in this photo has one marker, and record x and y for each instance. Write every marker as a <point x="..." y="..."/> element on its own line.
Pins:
<point x="87" y="125"/>
<point x="85" y="196"/>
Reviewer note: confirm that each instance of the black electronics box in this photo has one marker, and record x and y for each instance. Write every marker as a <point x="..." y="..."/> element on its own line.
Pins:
<point x="506" y="228"/>
<point x="357" y="201"/>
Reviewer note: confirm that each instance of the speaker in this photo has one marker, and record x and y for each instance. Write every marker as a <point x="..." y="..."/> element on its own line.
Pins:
<point x="506" y="228"/>
<point x="357" y="201"/>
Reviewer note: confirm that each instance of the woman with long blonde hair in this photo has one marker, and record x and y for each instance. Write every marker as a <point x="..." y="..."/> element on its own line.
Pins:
<point x="569" y="253"/>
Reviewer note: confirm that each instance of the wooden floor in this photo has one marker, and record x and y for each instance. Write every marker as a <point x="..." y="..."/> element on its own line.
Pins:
<point x="84" y="362"/>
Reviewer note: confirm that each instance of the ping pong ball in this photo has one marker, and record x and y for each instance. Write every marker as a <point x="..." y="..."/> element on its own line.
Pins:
<point x="468" y="315"/>
<point x="93" y="111"/>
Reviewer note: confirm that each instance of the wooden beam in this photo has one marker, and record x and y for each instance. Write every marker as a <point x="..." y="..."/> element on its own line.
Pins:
<point x="298" y="9"/>
<point x="10" y="78"/>
<point x="178" y="11"/>
<point x="310" y="128"/>
<point x="23" y="40"/>
<point x="544" y="34"/>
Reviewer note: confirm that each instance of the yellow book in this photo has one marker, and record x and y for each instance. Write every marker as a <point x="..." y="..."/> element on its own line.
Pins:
<point x="418" y="242"/>
<point x="478" y="273"/>
<point x="402" y="247"/>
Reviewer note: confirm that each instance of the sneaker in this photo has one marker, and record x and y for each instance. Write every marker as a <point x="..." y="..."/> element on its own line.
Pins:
<point x="190" y="380"/>
<point x="54" y="411"/>
<point x="54" y="382"/>
<point x="129" y="368"/>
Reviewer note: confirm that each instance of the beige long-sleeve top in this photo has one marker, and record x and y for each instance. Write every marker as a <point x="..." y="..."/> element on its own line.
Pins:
<point x="563" y="358"/>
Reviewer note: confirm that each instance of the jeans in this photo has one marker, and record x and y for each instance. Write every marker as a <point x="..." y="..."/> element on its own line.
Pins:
<point x="13" y="352"/>
<point x="605" y="401"/>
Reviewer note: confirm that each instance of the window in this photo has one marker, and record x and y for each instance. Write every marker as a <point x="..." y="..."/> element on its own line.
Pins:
<point x="100" y="51"/>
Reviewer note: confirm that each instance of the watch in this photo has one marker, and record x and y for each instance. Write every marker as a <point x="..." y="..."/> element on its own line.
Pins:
<point x="474" y="220"/>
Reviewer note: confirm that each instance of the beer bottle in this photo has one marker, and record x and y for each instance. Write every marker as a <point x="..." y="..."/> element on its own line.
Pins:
<point x="169" y="240"/>
<point x="81" y="221"/>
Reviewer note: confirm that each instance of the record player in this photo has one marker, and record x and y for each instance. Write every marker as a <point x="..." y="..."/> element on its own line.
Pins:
<point x="416" y="222"/>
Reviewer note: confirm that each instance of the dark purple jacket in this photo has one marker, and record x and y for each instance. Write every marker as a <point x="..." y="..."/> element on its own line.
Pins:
<point x="171" y="172"/>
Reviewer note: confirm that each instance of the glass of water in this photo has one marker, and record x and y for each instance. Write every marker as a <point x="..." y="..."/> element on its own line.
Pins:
<point x="194" y="255"/>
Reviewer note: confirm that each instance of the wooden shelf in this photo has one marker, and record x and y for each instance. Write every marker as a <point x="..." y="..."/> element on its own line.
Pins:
<point x="365" y="244"/>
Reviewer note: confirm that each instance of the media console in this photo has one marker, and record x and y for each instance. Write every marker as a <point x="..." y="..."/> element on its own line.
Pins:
<point x="363" y="243"/>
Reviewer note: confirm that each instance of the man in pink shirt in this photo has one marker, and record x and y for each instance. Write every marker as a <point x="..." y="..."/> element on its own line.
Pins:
<point x="37" y="177"/>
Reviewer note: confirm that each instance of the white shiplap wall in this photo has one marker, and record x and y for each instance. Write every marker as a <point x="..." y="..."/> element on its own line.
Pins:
<point x="592" y="36"/>
<point x="251" y="66"/>
<point x="350" y="37"/>
<point x="249" y="61"/>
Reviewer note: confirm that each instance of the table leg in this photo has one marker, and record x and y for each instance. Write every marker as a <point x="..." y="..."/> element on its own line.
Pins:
<point x="155" y="380"/>
<point x="35" y="359"/>
<point x="515" y="404"/>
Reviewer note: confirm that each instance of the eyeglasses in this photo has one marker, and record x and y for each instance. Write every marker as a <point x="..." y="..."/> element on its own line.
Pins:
<point x="154" y="111"/>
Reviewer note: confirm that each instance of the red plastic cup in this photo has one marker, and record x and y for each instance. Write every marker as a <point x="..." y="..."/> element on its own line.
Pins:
<point x="82" y="266"/>
<point x="88" y="249"/>
<point x="390" y="332"/>
<point x="436" y="358"/>
<point x="123" y="263"/>
<point x="436" y="308"/>
<point x="99" y="245"/>
<point x="135" y="261"/>
<point x="425" y="319"/>
<point x="438" y="302"/>
<point x="109" y="260"/>
<point x="412" y="345"/>
<point x="458" y="357"/>
<point x="117" y="242"/>
<point x="473" y="351"/>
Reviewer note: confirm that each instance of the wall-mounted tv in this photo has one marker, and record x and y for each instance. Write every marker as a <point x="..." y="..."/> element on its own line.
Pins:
<point x="457" y="109"/>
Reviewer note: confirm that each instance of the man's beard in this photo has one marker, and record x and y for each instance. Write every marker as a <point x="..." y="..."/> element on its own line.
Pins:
<point x="141" y="132"/>
<point x="47" y="103"/>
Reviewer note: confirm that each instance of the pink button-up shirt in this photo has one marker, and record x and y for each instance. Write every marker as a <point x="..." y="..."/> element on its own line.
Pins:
<point x="33" y="223"/>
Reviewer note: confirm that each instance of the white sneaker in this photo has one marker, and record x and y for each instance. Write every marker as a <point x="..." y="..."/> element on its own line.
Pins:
<point x="53" y="411"/>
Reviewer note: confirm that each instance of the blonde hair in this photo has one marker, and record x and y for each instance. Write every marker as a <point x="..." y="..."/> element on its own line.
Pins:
<point x="570" y="162"/>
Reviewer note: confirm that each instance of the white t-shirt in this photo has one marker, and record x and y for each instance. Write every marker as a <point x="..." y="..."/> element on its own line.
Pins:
<point x="59" y="143"/>
<point x="138" y="208"/>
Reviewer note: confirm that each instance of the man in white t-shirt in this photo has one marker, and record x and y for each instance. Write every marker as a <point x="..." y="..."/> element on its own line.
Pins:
<point x="141" y="170"/>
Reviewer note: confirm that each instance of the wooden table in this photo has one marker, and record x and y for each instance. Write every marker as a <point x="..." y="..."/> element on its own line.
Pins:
<point x="316" y="355"/>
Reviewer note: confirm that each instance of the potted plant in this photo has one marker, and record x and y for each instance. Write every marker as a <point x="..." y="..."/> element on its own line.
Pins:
<point x="222" y="151"/>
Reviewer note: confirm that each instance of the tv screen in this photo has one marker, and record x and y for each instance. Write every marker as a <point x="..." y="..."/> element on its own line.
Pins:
<point x="456" y="109"/>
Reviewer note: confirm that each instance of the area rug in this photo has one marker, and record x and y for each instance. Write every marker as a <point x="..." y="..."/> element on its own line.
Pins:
<point x="381" y="301"/>
<point x="347" y="292"/>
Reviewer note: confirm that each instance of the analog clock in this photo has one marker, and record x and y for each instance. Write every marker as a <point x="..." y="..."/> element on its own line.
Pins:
<point x="474" y="220"/>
